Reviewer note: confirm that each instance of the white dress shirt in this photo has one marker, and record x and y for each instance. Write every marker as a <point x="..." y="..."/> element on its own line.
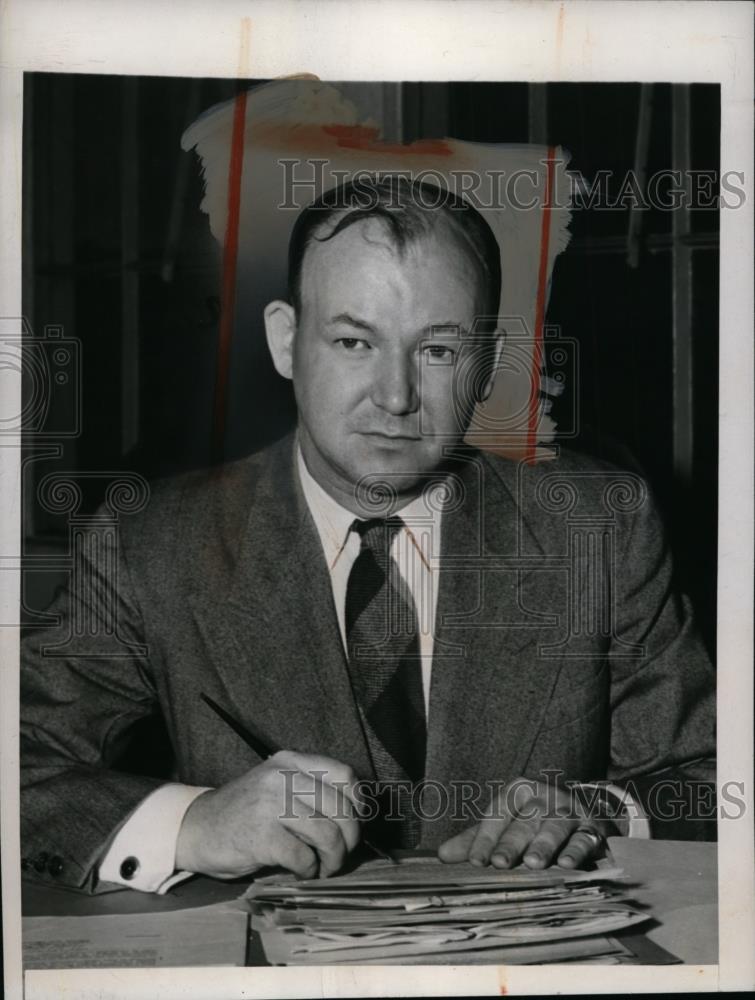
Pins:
<point x="416" y="550"/>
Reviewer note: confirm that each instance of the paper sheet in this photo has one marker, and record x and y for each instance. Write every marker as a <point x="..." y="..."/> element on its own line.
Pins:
<point x="207" y="935"/>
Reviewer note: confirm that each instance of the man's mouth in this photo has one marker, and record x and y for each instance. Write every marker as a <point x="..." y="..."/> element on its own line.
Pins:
<point x="391" y="436"/>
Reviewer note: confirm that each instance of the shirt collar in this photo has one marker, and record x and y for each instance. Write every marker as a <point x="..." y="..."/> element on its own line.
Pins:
<point x="334" y="522"/>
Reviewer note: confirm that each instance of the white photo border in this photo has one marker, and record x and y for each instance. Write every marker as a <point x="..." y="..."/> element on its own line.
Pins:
<point x="670" y="41"/>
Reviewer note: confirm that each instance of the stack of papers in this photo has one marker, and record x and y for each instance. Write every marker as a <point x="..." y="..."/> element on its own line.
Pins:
<point x="418" y="909"/>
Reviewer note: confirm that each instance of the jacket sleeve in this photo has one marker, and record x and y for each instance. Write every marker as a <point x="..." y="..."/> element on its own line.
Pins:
<point x="662" y="681"/>
<point x="84" y="682"/>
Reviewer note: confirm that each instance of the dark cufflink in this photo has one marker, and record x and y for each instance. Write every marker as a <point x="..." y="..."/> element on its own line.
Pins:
<point x="129" y="868"/>
<point x="55" y="866"/>
<point x="40" y="862"/>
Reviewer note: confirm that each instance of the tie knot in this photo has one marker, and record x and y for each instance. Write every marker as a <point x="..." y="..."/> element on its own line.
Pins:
<point x="378" y="533"/>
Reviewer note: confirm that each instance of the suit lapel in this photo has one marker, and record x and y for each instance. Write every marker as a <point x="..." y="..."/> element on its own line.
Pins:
<point x="489" y="690"/>
<point x="274" y="636"/>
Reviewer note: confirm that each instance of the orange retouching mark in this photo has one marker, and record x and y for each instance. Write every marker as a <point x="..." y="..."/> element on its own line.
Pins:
<point x="230" y="259"/>
<point x="502" y="988"/>
<point x="537" y="346"/>
<point x="364" y="137"/>
<point x="413" y="540"/>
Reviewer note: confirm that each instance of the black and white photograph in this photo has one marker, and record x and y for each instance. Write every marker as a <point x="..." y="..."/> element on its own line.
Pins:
<point x="375" y="597"/>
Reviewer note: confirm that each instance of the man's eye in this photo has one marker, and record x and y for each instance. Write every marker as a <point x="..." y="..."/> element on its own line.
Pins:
<point x="440" y="352"/>
<point x="353" y="343"/>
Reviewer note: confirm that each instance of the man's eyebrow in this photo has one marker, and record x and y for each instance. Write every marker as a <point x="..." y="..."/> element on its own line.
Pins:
<point x="350" y="320"/>
<point x="443" y="331"/>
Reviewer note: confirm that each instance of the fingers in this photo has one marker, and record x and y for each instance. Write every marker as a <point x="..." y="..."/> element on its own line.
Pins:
<point x="456" y="849"/>
<point x="329" y="773"/>
<point x="320" y="810"/>
<point x="547" y="842"/>
<point x="510" y="847"/>
<point x="320" y="833"/>
<point x="491" y="829"/>
<point x="333" y="804"/>
<point x="487" y="838"/>
<point x="294" y="855"/>
<point x="582" y="847"/>
<point x="475" y="844"/>
<point x="522" y="827"/>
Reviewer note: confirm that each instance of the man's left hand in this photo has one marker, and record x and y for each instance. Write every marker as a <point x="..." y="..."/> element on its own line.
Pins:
<point x="532" y="822"/>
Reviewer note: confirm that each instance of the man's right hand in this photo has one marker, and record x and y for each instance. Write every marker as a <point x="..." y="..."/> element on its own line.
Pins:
<point x="284" y="812"/>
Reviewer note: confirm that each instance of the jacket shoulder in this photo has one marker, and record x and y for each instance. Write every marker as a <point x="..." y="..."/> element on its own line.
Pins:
<point x="185" y="512"/>
<point x="573" y="485"/>
<point x="565" y="461"/>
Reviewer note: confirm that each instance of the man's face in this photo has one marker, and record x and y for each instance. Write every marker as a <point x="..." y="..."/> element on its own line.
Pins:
<point x="375" y="384"/>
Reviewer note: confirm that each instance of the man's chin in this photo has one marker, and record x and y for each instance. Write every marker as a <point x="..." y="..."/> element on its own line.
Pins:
<point x="390" y="478"/>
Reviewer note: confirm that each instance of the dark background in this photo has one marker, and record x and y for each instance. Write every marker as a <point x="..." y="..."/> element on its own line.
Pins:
<point x="118" y="253"/>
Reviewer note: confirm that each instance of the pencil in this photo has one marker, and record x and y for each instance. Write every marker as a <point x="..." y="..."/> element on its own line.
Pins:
<point x="264" y="747"/>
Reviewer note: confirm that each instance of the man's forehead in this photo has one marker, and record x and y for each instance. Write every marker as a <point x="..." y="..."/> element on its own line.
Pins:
<point x="411" y="290"/>
<point x="370" y="242"/>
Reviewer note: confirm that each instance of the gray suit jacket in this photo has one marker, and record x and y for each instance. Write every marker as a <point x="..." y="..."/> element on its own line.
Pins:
<point x="560" y="644"/>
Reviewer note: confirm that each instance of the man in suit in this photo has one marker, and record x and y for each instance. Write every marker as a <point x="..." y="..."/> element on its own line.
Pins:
<point x="381" y="601"/>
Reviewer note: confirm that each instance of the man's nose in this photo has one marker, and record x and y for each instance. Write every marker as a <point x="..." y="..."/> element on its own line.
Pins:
<point x="395" y="388"/>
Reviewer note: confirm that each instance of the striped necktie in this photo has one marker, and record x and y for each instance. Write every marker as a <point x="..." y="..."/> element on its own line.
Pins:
<point x="382" y="638"/>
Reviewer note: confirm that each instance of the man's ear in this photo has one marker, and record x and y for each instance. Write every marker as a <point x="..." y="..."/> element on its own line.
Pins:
<point x="280" y="327"/>
<point x="495" y="357"/>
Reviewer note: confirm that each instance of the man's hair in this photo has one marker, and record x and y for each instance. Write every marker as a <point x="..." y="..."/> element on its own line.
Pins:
<point x="409" y="210"/>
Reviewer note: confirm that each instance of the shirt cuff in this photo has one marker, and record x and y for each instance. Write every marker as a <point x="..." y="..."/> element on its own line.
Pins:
<point x="632" y="816"/>
<point x="143" y="853"/>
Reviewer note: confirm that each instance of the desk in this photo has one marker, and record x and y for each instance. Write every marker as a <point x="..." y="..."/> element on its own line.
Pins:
<point x="676" y="880"/>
